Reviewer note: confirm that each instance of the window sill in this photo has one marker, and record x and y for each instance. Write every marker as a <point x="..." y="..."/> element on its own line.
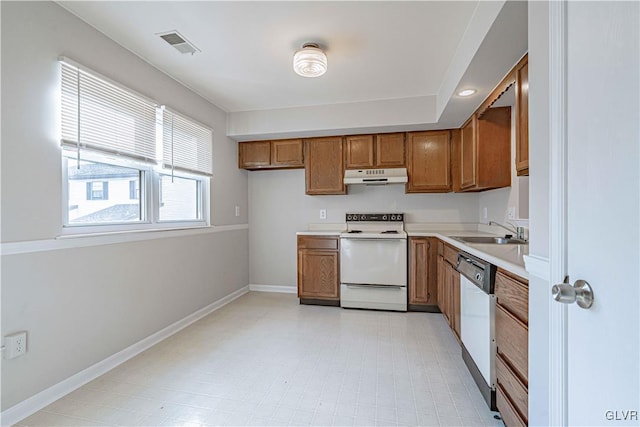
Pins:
<point x="77" y="232"/>
<point x="70" y="241"/>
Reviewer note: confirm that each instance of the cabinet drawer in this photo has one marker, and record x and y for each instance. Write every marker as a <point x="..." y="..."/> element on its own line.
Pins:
<point x="306" y="242"/>
<point x="512" y="338"/>
<point x="451" y="255"/>
<point x="513" y="295"/>
<point x="509" y="414"/>
<point x="513" y="387"/>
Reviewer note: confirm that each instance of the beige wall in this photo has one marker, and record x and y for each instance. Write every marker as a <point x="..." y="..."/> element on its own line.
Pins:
<point x="278" y="207"/>
<point x="82" y="305"/>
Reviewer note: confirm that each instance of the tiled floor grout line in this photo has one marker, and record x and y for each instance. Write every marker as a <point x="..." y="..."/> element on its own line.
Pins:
<point x="265" y="359"/>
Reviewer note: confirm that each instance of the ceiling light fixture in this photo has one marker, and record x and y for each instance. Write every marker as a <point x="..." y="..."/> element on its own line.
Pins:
<point x="467" y="92"/>
<point x="310" y="61"/>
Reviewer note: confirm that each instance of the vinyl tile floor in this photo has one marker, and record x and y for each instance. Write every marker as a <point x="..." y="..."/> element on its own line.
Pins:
<point x="265" y="360"/>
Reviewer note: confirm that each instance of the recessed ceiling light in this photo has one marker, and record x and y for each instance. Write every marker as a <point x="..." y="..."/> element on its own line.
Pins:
<point x="310" y="61"/>
<point x="467" y="92"/>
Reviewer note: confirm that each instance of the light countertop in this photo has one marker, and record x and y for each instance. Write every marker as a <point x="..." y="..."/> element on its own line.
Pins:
<point x="508" y="257"/>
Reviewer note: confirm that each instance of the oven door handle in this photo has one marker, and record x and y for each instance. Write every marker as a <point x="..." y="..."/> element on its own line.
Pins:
<point x="377" y="239"/>
<point x="362" y="285"/>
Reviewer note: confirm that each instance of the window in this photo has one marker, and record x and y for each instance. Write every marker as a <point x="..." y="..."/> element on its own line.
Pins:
<point x="107" y="193"/>
<point x="179" y="199"/>
<point x="134" y="189"/>
<point x="129" y="163"/>
<point x="98" y="190"/>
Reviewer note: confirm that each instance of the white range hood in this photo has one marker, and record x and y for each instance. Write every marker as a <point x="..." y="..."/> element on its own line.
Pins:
<point x="376" y="176"/>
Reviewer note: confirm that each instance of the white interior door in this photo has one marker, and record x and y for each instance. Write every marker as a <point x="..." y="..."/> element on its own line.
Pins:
<point x="603" y="215"/>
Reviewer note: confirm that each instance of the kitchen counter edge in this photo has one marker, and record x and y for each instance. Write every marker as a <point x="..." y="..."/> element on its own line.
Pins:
<point x="518" y="270"/>
<point x="331" y="233"/>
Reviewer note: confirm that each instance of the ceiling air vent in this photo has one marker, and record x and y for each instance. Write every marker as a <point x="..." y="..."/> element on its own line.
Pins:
<point x="178" y="41"/>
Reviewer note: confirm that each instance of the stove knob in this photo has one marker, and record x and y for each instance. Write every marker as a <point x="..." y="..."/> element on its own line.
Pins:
<point x="399" y="216"/>
<point x="478" y="277"/>
<point x="348" y="217"/>
<point x="393" y="217"/>
<point x="384" y="217"/>
<point x="363" y="218"/>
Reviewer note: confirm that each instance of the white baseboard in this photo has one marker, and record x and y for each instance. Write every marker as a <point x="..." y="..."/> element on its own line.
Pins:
<point x="273" y="288"/>
<point x="33" y="404"/>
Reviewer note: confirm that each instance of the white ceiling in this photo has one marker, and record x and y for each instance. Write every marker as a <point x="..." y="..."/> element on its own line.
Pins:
<point x="377" y="51"/>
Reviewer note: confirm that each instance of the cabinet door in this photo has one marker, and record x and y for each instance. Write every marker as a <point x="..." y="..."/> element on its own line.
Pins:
<point x="522" y="120"/>
<point x="359" y="152"/>
<point x="390" y="150"/>
<point x="455" y="303"/>
<point x="422" y="266"/>
<point x="324" y="166"/>
<point x="318" y="274"/>
<point x="440" y="284"/>
<point x="512" y="340"/>
<point x="468" y="154"/>
<point x="447" y="292"/>
<point x="287" y="153"/>
<point x="254" y="155"/>
<point x="493" y="149"/>
<point x="429" y="162"/>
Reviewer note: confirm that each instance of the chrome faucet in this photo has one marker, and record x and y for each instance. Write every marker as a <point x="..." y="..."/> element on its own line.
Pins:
<point x="518" y="230"/>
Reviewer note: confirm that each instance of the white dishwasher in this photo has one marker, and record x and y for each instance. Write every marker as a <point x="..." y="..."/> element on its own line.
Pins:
<point x="477" y="322"/>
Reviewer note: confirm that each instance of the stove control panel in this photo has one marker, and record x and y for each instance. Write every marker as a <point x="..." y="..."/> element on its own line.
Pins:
<point x="387" y="217"/>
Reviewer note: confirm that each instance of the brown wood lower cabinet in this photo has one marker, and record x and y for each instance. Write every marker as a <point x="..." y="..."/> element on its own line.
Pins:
<point x="448" y="286"/>
<point x="423" y="280"/>
<point x="512" y="339"/>
<point x="318" y="270"/>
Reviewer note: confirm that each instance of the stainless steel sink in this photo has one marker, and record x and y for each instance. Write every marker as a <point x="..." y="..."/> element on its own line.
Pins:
<point x="489" y="239"/>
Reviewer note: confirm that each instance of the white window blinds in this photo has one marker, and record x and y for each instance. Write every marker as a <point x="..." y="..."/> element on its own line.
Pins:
<point x="186" y="144"/>
<point x="101" y="116"/>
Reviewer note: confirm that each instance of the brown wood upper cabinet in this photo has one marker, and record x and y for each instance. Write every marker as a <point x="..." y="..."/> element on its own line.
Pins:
<point x="375" y="151"/>
<point x="485" y="151"/>
<point x="324" y="165"/>
<point x="429" y="162"/>
<point x="279" y="154"/>
<point x="423" y="280"/>
<point x="522" y="117"/>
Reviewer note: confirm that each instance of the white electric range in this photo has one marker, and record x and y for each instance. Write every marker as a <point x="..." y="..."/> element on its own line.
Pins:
<point x="373" y="262"/>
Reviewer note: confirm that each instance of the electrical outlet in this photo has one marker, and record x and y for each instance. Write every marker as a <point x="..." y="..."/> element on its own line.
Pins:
<point x="511" y="212"/>
<point x="237" y="210"/>
<point x="484" y="213"/>
<point x="15" y="345"/>
<point x="323" y="214"/>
